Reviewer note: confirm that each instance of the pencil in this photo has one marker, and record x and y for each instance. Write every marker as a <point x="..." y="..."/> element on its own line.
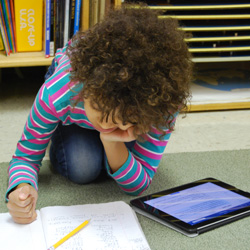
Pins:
<point x="69" y="235"/>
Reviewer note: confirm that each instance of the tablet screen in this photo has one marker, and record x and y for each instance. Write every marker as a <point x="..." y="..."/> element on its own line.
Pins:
<point x="199" y="203"/>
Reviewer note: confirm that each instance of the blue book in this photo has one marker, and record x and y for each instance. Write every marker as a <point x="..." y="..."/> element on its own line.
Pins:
<point x="11" y="26"/>
<point x="47" y="27"/>
<point x="77" y="15"/>
<point x="7" y="24"/>
<point x="52" y="29"/>
<point x="3" y="32"/>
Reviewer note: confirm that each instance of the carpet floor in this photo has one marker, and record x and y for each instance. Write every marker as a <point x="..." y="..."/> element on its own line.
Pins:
<point x="176" y="169"/>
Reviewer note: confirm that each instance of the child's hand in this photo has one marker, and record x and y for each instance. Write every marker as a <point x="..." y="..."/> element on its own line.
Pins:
<point x="22" y="204"/>
<point x="119" y="135"/>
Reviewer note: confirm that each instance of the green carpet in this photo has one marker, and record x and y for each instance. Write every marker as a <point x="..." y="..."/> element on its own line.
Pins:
<point x="176" y="169"/>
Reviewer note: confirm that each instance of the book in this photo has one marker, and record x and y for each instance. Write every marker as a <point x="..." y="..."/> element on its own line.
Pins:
<point x="77" y="15"/>
<point x="94" y="10"/>
<point x="29" y="24"/>
<point x="10" y="19"/>
<point x="61" y="15"/>
<point x="6" y="16"/>
<point x="3" y="38"/>
<point x="72" y="18"/>
<point x="1" y="42"/>
<point x="3" y="32"/>
<point x="101" y="11"/>
<point x="11" y="2"/>
<point x="56" y="24"/>
<point x="52" y="22"/>
<point x="47" y="18"/>
<point x="85" y="15"/>
<point x="112" y="225"/>
<point x="66" y="22"/>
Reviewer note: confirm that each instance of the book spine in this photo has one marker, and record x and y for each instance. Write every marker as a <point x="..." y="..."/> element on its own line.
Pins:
<point x="4" y="32"/>
<point x="29" y="23"/>
<point x="56" y="27"/>
<point x="13" y="23"/>
<point x="5" y="42"/>
<point x="47" y="28"/>
<point x="1" y="41"/>
<point x="61" y="23"/>
<point x="7" y="23"/>
<point x="72" y="18"/>
<point x="94" y="11"/>
<point x="52" y="24"/>
<point x="66" y="22"/>
<point x="77" y="15"/>
<point x="90" y="14"/>
<point x="101" y="10"/>
<point x="85" y="14"/>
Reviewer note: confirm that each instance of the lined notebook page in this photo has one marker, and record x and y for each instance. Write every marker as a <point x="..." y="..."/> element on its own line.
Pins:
<point x="113" y="226"/>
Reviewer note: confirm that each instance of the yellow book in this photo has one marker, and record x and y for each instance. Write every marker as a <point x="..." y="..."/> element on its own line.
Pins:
<point x="1" y="43"/>
<point x="29" y="25"/>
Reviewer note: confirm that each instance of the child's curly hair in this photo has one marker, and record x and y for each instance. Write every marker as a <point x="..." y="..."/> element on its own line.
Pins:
<point x="135" y="63"/>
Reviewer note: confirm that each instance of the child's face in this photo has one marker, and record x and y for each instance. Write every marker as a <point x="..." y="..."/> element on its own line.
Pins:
<point x="105" y="126"/>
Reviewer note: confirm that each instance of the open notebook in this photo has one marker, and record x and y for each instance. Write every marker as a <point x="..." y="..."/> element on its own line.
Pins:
<point x="113" y="225"/>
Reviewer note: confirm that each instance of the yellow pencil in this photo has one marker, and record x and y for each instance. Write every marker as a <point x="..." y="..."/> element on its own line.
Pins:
<point x="69" y="235"/>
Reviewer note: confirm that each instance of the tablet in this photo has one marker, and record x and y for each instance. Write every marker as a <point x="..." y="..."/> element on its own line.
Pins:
<point x="196" y="207"/>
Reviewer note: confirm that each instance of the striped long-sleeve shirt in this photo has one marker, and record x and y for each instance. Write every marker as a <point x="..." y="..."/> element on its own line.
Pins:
<point x="53" y="104"/>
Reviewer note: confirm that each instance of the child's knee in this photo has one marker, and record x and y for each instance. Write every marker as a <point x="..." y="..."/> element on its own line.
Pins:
<point x="85" y="171"/>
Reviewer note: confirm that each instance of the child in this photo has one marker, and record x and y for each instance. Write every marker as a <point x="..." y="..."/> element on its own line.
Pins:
<point x="109" y="103"/>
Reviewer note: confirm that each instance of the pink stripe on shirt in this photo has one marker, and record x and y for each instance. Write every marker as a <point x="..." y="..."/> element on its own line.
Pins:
<point x="145" y="164"/>
<point x="57" y="78"/>
<point x="34" y="123"/>
<point x="134" y="177"/>
<point x="21" y="162"/>
<point x="147" y="153"/>
<point x="73" y="110"/>
<point x="62" y="60"/>
<point x="42" y="118"/>
<point x="155" y="131"/>
<point x="46" y="108"/>
<point x="77" y="121"/>
<point x="35" y="133"/>
<point x="15" y="168"/>
<point x="16" y="175"/>
<point x="25" y="180"/>
<point x="129" y="167"/>
<point x="29" y="151"/>
<point x="39" y="141"/>
<point x="145" y="179"/>
<point x="60" y="93"/>
<point x="155" y="141"/>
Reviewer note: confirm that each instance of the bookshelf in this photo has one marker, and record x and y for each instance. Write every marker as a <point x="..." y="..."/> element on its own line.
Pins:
<point x="27" y="59"/>
<point x="205" y="27"/>
<point x="24" y="59"/>
<point x="218" y="37"/>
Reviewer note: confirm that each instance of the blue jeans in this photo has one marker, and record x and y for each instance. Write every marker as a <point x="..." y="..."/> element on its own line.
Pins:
<point x="77" y="153"/>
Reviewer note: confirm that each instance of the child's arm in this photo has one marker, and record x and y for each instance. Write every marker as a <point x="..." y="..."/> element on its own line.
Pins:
<point x="31" y="148"/>
<point x="24" y="167"/>
<point x="133" y="171"/>
<point x="115" y="149"/>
